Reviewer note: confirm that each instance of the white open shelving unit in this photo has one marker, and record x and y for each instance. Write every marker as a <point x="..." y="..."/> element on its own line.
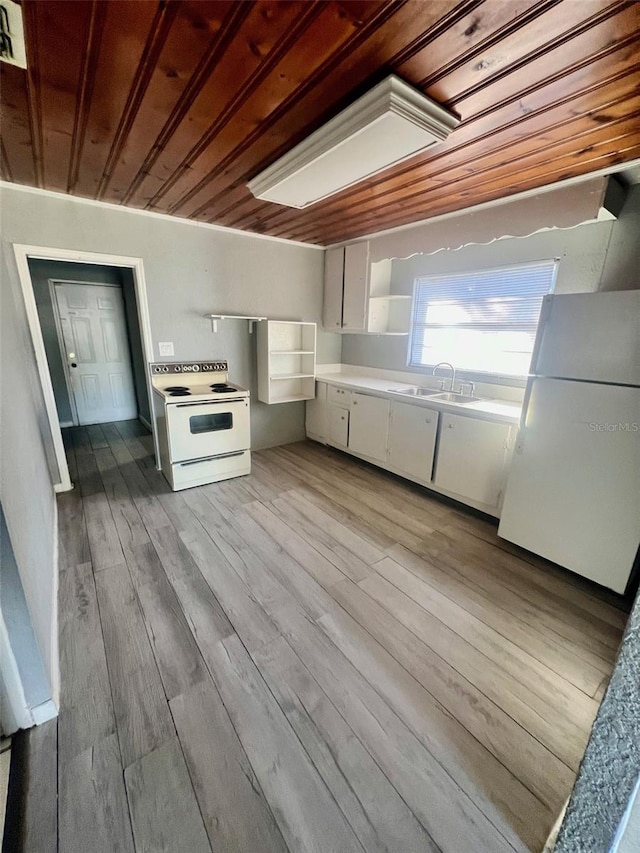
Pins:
<point x="388" y="313"/>
<point x="286" y="361"/>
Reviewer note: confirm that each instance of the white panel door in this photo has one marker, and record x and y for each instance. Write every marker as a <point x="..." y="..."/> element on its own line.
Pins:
<point x="471" y="458"/>
<point x="412" y="440"/>
<point x="369" y="426"/>
<point x="573" y="493"/>
<point x="96" y="351"/>
<point x="356" y="287"/>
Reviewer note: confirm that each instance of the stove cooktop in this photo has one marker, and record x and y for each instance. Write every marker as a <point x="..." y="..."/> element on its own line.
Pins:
<point x="197" y="380"/>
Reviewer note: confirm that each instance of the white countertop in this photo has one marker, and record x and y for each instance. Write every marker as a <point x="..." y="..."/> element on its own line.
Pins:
<point x="502" y="411"/>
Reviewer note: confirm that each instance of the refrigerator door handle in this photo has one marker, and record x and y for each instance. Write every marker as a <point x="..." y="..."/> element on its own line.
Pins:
<point x="524" y="414"/>
<point x="547" y="302"/>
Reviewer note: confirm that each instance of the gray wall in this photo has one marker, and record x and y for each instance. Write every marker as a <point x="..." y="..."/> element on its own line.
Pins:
<point x="191" y="270"/>
<point x="601" y="255"/>
<point x="622" y="266"/>
<point x="41" y="272"/>
<point x="27" y="472"/>
<point x="15" y="613"/>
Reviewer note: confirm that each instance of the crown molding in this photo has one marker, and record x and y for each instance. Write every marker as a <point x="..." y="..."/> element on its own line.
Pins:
<point x="105" y="205"/>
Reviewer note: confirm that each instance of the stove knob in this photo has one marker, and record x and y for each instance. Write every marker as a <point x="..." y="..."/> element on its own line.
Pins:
<point x="165" y="369"/>
<point x="195" y="368"/>
<point x="178" y="368"/>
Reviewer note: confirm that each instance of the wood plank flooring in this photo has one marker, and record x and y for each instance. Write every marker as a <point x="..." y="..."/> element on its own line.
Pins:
<point x="316" y="658"/>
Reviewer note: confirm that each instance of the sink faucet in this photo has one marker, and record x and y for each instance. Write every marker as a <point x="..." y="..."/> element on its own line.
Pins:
<point x="451" y="367"/>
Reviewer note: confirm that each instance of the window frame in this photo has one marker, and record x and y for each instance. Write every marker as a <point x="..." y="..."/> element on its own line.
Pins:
<point x="465" y="373"/>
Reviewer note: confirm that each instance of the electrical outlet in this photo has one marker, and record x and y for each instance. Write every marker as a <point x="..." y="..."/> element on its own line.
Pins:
<point x="165" y="348"/>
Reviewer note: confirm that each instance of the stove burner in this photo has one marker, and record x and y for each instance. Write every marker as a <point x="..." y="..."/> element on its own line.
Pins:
<point x="177" y="388"/>
<point x="222" y="388"/>
<point x="184" y="393"/>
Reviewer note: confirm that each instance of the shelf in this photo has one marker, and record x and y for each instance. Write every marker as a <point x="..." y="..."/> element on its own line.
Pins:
<point x="389" y="297"/>
<point x="215" y="317"/>
<point x="277" y="376"/>
<point x="293" y="398"/>
<point x="286" y="361"/>
<point x="291" y="352"/>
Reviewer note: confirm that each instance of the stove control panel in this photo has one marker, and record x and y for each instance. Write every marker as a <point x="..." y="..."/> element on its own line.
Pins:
<point x="190" y="367"/>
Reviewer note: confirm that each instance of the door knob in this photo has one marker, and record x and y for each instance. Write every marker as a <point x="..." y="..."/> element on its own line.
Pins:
<point x="73" y="364"/>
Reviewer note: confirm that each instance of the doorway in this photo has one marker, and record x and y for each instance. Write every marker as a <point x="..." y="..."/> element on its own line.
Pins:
<point x="81" y="267"/>
<point x="91" y="326"/>
<point x="89" y="321"/>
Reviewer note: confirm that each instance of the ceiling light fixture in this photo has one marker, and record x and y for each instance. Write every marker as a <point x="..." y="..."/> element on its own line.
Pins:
<point x="387" y="125"/>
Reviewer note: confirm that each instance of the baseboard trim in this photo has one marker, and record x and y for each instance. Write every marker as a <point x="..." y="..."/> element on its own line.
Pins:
<point x="46" y="711"/>
<point x="145" y="422"/>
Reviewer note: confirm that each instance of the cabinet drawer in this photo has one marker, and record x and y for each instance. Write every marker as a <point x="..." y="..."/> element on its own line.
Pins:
<point x="339" y="395"/>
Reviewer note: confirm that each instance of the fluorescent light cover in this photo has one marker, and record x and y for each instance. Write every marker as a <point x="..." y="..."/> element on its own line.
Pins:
<point x="389" y="124"/>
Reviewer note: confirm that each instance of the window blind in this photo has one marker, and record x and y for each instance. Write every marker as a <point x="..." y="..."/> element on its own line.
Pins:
<point x="482" y="321"/>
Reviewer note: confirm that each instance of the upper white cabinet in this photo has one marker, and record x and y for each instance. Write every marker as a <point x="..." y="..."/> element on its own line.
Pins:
<point x="356" y="287"/>
<point x="369" y="426"/>
<point x="472" y="458"/>
<point x="346" y="288"/>
<point x="333" y="286"/>
<point x="412" y="440"/>
<point x="286" y="361"/>
<point x="357" y="296"/>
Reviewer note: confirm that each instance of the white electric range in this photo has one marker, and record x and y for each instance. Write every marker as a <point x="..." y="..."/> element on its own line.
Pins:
<point x="202" y="423"/>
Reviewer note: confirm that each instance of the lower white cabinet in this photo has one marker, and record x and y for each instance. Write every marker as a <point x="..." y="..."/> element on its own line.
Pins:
<point x="466" y="455"/>
<point x="338" y="426"/>
<point x="369" y="426"/>
<point x="316" y="414"/>
<point x="412" y="440"/>
<point x="472" y="457"/>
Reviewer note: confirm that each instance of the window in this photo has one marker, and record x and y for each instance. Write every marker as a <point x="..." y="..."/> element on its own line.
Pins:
<point x="481" y="322"/>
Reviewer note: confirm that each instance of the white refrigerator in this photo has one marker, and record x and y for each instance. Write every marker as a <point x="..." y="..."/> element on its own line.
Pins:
<point x="573" y="492"/>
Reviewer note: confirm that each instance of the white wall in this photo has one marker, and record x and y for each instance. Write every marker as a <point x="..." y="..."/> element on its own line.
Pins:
<point x="595" y="256"/>
<point x="563" y="207"/>
<point x="27" y="471"/>
<point x="190" y="271"/>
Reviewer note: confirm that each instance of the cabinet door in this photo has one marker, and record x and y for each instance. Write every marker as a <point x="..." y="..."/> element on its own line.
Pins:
<point x="356" y="287"/>
<point x="412" y="440"/>
<point x="338" y="426"/>
<point x="471" y="458"/>
<point x="316" y="415"/>
<point x="369" y="426"/>
<point x="333" y="282"/>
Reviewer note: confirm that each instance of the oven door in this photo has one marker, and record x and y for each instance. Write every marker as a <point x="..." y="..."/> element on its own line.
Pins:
<point x="196" y="430"/>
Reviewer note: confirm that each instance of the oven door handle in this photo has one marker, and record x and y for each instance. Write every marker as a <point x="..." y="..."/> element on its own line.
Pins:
<point x="209" y="458"/>
<point x="208" y="403"/>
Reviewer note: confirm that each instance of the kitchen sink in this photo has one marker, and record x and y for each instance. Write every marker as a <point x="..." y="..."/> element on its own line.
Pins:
<point x="452" y="397"/>
<point x="417" y="392"/>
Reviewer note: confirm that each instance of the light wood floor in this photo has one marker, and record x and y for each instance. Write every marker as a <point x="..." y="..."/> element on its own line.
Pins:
<point x="317" y="657"/>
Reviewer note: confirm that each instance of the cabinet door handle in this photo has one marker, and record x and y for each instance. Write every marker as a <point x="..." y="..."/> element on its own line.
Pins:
<point x="427" y="420"/>
<point x="355" y="402"/>
<point x="450" y="426"/>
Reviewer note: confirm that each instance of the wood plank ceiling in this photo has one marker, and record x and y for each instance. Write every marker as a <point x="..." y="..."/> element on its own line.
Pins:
<point x="172" y="106"/>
